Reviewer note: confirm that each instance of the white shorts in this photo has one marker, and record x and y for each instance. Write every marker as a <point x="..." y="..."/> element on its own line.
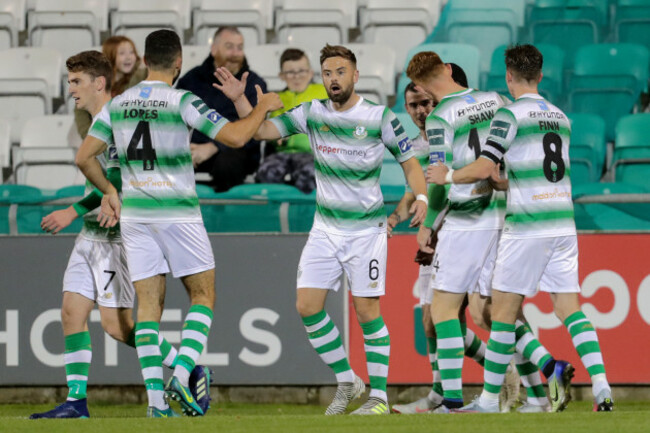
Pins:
<point x="522" y="264"/>
<point x="460" y="259"/>
<point x="154" y="249"/>
<point x="484" y="286"/>
<point x="363" y="259"/>
<point x="424" y="288"/>
<point x="98" y="271"/>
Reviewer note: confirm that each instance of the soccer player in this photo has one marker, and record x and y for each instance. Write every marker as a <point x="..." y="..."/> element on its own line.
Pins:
<point x="467" y="245"/>
<point x="539" y="243"/>
<point x="348" y="135"/>
<point x="161" y="222"/>
<point x="97" y="270"/>
<point x="419" y="104"/>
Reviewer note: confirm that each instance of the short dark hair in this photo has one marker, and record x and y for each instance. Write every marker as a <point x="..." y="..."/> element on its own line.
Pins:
<point x="524" y="62"/>
<point x="291" y="55"/>
<point x="161" y="49"/>
<point x="231" y="29"/>
<point x="458" y="75"/>
<point x="410" y="87"/>
<point x="92" y="63"/>
<point x="337" y="51"/>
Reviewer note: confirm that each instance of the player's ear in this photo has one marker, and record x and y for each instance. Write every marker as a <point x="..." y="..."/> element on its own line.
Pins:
<point x="356" y="76"/>
<point x="100" y="83"/>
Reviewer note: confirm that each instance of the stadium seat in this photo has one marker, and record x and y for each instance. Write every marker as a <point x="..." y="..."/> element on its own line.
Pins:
<point x="193" y="56"/>
<point x="399" y="26"/>
<point x="611" y="215"/>
<point x="265" y="61"/>
<point x="70" y="191"/>
<point x="12" y="20"/>
<point x="136" y="19"/>
<point x="252" y="17"/>
<point x="68" y="26"/>
<point x="553" y="70"/>
<point x="569" y="24"/>
<point x="376" y="65"/>
<point x="632" y="22"/>
<point x="516" y="6"/>
<point x="588" y="142"/>
<point x="29" y="79"/>
<point x="631" y="160"/>
<point x="607" y="80"/>
<point x="48" y="168"/>
<point x="486" y="29"/>
<point x="313" y="23"/>
<point x="27" y="216"/>
<point x="47" y="131"/>
<point x="392" y="174"/>
<point x="5" y="144"/>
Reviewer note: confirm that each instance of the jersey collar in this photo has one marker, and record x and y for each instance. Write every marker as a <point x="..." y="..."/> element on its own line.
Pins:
<point x="531" y="95"/>
<point x="459" y="93"/>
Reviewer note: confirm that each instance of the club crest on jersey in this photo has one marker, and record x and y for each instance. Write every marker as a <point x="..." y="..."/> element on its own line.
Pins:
<point x="214" y="117"/>
<point x="145" y="92"/>
<point x="360" y="132"/>
<point x="404" y="145"/>
<point x="437" y="157"/>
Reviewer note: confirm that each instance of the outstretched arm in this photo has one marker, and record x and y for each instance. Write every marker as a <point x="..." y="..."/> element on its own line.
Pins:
<point x="234" y="89"/>
<point x="480" y="169"/>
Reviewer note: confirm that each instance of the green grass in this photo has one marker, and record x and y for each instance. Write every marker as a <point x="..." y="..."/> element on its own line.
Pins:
<point x="265" y="418"/>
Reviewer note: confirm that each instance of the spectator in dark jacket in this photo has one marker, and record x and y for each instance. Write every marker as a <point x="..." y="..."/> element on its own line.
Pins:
<point x="227" y="166"/>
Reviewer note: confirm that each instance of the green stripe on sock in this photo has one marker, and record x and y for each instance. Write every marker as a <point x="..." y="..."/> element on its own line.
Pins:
<point x="377" y="358"/>
<point x="372" y="326"/>
<point x="378" y="382"/>
<point x="79" y="368"/>
<point x="340" y="366"/>
<point x="201" y="309"/>
<point x="78" y="341"/>
<point x="314" y="319"/>
<point x="322" y="331"/>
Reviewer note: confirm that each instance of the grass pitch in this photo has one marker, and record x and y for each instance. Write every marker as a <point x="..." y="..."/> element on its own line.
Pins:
<point x="263" y="418"/>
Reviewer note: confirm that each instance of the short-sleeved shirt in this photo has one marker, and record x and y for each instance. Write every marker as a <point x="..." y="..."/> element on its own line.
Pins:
<point x="348" y="152"/>
<point x="533" y="137"/>
<point x="456" y="129"/>
<point x="150" y="125"/>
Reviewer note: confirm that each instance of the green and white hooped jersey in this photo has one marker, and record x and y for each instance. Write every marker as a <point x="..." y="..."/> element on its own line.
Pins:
<point x="533" y="137"/>
<point x="421" y="151"/>
<point x="348" y="152"/>
<point x="91" y="229"/>
<point x="456" y="130"/>
<point x="151" y="124"/>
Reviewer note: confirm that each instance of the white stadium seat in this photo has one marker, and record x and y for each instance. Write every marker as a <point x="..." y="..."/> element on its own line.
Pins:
<point x="264" y="60"/>
<point x="5" y="143"/>
<point x="47" y="131"/>
<point x="45" y="167"/>
<point x="136" y="19"/>
<point x="313" y="23"/>
<point x="193" y="56"/>
<point x="29" y="79"/>
<point x="252" y="17"/>
<point x="400" y="26"/>
<point x="376" y="65"/>
<point x="12" y="20"/>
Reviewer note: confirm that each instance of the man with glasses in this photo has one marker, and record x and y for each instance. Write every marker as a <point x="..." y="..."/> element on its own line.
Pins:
<point x="293" y="161"/>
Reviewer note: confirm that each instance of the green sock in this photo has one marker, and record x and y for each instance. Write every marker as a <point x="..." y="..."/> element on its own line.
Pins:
<point x="532" y="381"/>
<point x="450" y="360"/>
<point x="77" y="357"/>
<point x="325" y="339"/>
<point x="474" y="347"/>
<point x="193" y="339"/>
<point x="433" y="360"/>
<point x="530" y="347"/>
<point x="500" y="349"/>
<point x="146" y="344"/>
<point x="377" y="347"/>
<point x="168" y="352"/>
<point x="586" y="343"/>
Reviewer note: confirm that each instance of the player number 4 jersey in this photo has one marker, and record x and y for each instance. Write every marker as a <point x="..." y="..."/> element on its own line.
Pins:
<point x="150" y="125"/>
<point x="533" y="136"/>
<point x="348" y="152"/>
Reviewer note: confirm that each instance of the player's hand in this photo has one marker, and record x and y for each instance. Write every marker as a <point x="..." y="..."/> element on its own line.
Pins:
<point x="496" y="180"/>
<point x="436" y="173"/>
<point x="419" y="211"/>
<point x="110" y="210"/>
<point x="391" y="222"/>
<point x="202" y="152"/>
<point x="58" y="220"/>
<point x="423" y="236"/>
<point x="270" y="101"/>
<point x="230" y="86"/>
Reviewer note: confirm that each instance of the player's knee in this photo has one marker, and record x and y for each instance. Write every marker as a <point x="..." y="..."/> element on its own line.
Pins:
<point x="117" y="332"/>
<point x="70" y="318"/>
<point x="306" y="309"/>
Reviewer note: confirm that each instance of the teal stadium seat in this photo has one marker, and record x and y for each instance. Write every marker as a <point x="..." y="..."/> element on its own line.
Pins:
<point x="29" y="213"/>
<point x="631" y="160"/>
<point x="588" y="148"/>
<point x="553" y="70"/>
<point x="613" y="216"/>
<point x="607" y="80"/>
<point x="632" y="22"/>
<point x="486" y="29"/>
<point x="392" y="174"/>
<point x="72" y="192"/>
<point x="569" y="24"/>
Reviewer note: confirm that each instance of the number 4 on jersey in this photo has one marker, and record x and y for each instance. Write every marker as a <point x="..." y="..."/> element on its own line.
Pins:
<point x="146" y="154"/>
